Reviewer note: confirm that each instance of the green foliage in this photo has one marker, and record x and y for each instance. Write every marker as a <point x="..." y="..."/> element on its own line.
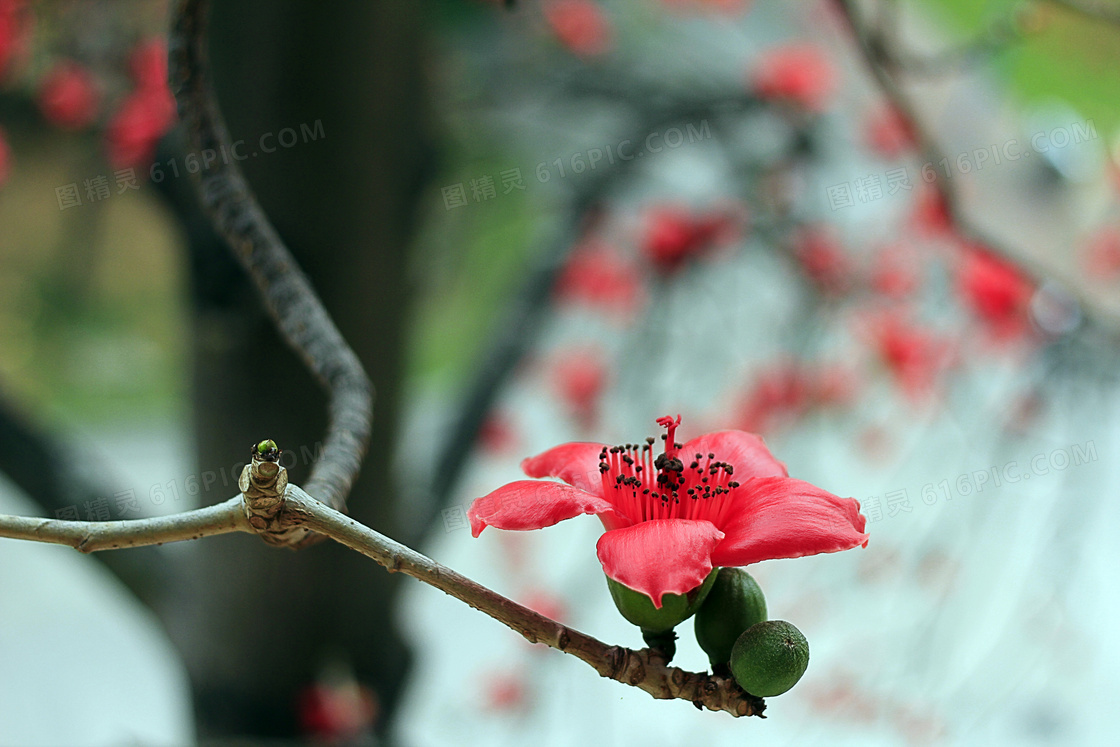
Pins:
<point x="1063" y="56"/>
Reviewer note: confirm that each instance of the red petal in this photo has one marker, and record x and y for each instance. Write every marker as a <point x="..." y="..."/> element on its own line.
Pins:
<point x="576" y="464"/>
<point x="532" y="504"/>
<point x="779" y="517"/>
<point x="746" y="452"/>
<point x="662" y="556"/>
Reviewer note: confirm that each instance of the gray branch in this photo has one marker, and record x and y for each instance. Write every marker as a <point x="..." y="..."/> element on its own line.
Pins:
<point x="298" y="512"/>
<point x="91" y="536"/>
<point x="288" y="296"/>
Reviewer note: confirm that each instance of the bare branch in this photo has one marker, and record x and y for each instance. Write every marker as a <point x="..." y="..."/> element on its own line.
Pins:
<point x="297" y="512"/>
<point x="883" y="62"/>
<point x="642" y="669"/>
<point x="289" y="297"/>
<point x="91" y="536"/>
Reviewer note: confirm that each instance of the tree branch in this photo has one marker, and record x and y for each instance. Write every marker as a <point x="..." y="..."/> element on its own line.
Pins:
<point x="884" y="65"/>
<point x="642" y="669"/>
<point x="298" y="512"/>
<point x="289" y="297"/>
<point x="92" y="536"/>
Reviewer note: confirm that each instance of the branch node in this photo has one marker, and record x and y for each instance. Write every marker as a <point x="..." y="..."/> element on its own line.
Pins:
<point x="264" y="485"/>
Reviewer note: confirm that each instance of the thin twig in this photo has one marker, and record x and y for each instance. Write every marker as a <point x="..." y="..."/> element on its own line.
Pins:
<point x="644" y="669"/>
<point x="641" y="669"/>
<point x="883" y="63"/>
<point x="289" y="297"/>
<point x="91" y="536"/>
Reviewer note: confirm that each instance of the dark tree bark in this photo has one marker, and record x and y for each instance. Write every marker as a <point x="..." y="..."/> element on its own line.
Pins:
<point x="256" y="623"/>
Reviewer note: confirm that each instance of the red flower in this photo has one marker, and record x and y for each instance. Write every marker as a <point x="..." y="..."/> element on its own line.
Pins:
<point x="1102" y="259"/>
<point x="718" y="500"/>
<point x="15" y="29"/>
<point x="781" y="393"/>
<point x="497" y="435"/>
<point x="796" y="72"/>
<point x="931" y="215"/>
<point x="336" y="712"/>
<point x="148" y="63"/>
<point x="889" y="132"/>
<point x="596" y="276"/>
<point x="580" y="25"/>
<point x="996" y="292"/>
<point x="138" y="124"/>
<point x="506" y="692"/>
<point x="823" y="259"/>
<point x="68" y="96"/>
<point x="786" y="391"/>
<point x="8" y="33"/>
<point x="579" y="377"/>
<point x="897" y="272"/>
<point x="914" y="356"/>
<point x="674" y="235"/>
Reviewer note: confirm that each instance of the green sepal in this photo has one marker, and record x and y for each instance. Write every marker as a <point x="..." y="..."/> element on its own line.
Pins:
<point x="637" y="608"/>
<point x="735" y="603"/>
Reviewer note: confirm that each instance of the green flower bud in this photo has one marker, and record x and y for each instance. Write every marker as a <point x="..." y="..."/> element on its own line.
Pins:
<point x="734" y="604"/>
<point x="769" y="658"/>
<point x="266" y="446"/>
<point x="675" y="608"/>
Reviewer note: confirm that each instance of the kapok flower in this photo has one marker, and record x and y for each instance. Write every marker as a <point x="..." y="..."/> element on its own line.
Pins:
<point x="823" y="259"/>
<point x="580" y="25"/>
<point x="996" y="291"/>
<point x="799" y="73"/>
<point x="675" y="234"/>
<point x="889" y="132"/>
<point x="68" y="96"/>
<point x="596" y="276"/>
<point x="720" y="499"/>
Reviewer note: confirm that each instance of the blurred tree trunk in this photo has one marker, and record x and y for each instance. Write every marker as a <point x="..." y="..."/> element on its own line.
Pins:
<point x="256" y="623"/>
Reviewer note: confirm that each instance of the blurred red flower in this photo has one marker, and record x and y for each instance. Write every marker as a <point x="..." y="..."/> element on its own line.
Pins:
<point x="931" y="215"/>
<point x="337" y="712"/>
<point x="675" y="235"/>
<point x="597" y="276"/>
<point x="15" y="30"/>
<point x="136" y="127"/>
<point x="68" y="96"/>
<point x="580" y="25"/>
<point x="148" y="63"/>
<point x="579" y="377"/>
<point x="897" y="272"/>
<point x="996" y="291"/>
<point x="823" y="259"/>
<point x="914" y="356"/>
<point x="1102" y="258"/>
<point x="889" y="132"/>
<point x="797" y="72"/>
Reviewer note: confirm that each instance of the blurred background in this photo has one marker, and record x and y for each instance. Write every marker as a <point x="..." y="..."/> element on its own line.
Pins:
<point x="556" y="222"/>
